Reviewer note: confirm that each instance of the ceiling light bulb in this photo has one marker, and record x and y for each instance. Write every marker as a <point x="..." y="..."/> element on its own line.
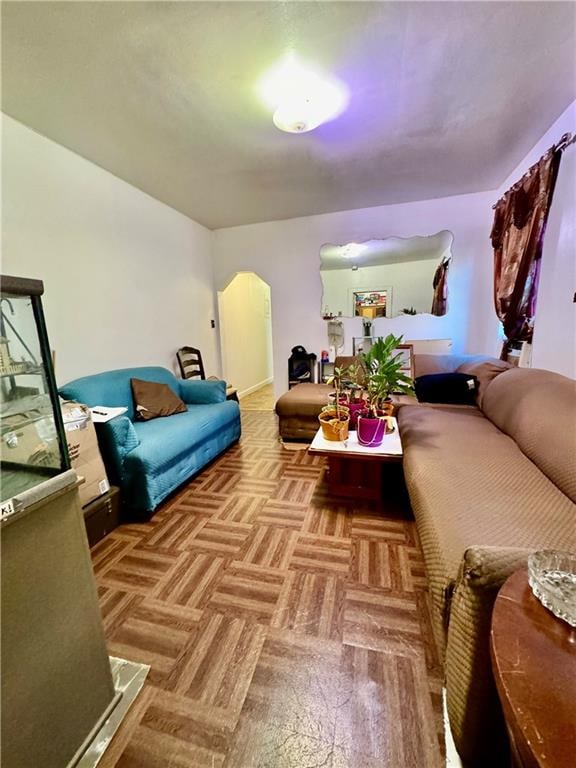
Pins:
<point x="298" y="116"/>
<point x="302" y="99"/>
<point x="282" y="82"/>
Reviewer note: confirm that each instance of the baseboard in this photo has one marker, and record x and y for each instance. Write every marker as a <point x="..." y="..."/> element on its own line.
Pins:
<point x="254" y="388"/>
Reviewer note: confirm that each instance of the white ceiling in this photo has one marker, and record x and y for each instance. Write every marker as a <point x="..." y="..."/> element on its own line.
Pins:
<point x="389" y="250"/>
<point x="446" y="97"/>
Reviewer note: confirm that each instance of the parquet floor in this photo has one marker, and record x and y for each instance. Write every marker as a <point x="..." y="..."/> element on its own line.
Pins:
<point x="285" y="628"/>
<point x="261" y="400"/>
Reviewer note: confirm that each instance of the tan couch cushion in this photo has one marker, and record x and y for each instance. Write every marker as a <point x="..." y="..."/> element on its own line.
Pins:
<point x="304" y="400"/>
<point x="298" y="410"/>
<point x="426" y="364"/>
<point x="470" y="484"/>
<point x="538" y="410"/>
<point x="485" y="371"/>
<point x="400" y="400"/>
<point x="429" y="364"/>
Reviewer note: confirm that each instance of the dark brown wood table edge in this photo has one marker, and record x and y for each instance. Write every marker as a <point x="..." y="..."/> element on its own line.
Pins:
<point x="534" y="664"/>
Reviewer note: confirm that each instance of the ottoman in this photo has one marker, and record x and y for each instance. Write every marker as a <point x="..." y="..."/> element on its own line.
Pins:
<point x="298" y="410"/>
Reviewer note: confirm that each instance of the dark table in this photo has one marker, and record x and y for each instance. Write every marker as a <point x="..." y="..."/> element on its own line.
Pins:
<point x="534" y="664"/>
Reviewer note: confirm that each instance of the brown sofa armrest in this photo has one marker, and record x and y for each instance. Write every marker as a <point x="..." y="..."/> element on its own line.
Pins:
<point x="489" y="567"/>
<point x="474" y="710"/>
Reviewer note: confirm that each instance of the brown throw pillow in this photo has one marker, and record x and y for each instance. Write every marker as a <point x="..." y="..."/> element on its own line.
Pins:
<point x="485" y="371"/>
<point x="152" y="399"/>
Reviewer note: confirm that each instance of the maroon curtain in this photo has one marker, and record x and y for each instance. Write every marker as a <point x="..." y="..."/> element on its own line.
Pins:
<point x="440" y="286"/>
<point x="517" y="237"/>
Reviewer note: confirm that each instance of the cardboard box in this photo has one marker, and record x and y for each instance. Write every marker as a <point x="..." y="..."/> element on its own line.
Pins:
<point x="84" y="452"/>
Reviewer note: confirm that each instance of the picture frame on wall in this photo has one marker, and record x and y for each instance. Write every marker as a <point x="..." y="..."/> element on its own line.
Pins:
<point x="407" y="352"/>
<point x="371" y="304"/>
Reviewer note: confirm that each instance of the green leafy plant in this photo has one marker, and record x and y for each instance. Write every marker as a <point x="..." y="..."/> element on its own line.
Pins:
<point x="338" y="381"/>
<point x="354" y="381"/>
<point x="384" y="374"/>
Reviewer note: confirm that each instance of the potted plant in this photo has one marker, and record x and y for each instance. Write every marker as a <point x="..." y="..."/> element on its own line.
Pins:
<point x="384" y="376"/>
<point x="335" y="417"/>
<point x="354" y="389"/>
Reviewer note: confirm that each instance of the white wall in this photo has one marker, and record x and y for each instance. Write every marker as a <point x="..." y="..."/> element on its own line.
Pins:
<point x="127" y="279"/>
<point x="246" y="333"/>
<point x="286" y="254"/>
<point x="554" y="344"/>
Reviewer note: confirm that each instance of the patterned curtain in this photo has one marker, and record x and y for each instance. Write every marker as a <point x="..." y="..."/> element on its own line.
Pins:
<point x="440" y="286"/>
<point x="517" y="237"/>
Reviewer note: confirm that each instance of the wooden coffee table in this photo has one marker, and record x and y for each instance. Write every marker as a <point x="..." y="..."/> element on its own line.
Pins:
<point x="534" y="664"/>
<point x="355" y="470"/>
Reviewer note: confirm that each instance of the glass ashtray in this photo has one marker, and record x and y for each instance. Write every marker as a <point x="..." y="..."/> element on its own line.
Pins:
<point x="552" y="577"/>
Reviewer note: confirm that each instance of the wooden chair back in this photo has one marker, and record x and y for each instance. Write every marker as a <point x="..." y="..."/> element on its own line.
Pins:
<point x="190" y="362"/>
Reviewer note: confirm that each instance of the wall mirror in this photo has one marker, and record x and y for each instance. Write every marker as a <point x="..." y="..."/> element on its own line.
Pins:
<point x="386" y="278"/>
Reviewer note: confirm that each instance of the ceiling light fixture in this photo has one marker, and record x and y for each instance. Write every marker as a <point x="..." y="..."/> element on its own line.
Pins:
<point x="301" y="97"/>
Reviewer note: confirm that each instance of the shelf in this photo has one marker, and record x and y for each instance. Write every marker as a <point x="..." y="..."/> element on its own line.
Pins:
<point x="26" y="421"/>
<point x="31" y="372"/>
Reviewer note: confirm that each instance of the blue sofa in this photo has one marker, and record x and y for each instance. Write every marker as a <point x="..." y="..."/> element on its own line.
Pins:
<point x="149" y="459"/>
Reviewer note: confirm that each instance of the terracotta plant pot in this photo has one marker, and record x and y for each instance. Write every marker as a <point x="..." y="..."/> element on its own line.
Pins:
<point x="333" y="429"/>
<point x="371" y="431"/>
<point x="388" y="408"/>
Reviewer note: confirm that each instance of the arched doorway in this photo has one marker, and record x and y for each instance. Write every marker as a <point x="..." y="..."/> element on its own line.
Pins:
<point x="244" y="308"/>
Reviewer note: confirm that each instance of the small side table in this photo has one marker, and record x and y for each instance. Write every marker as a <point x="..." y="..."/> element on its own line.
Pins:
<point x="534" y="665"/>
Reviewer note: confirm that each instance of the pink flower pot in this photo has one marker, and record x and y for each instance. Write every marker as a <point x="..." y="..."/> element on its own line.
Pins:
<point x="355" y="409"/>
<point x="371" y="432"/>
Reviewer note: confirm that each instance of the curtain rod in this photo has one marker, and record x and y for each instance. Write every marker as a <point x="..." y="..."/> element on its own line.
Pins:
<point x="560" y="146"/>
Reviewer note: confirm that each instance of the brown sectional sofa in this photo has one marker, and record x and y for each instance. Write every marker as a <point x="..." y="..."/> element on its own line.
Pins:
<point x="298" y="408"/>
<point x="487" y="485"/>
<point x="298" y="411"/>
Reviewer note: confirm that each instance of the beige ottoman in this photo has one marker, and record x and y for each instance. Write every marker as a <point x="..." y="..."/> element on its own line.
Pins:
<point x="298" y="410"/>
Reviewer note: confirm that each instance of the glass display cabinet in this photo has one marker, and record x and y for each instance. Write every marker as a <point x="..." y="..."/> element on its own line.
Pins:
<point x="50" y="624"/>
<point x="33" y="447"/>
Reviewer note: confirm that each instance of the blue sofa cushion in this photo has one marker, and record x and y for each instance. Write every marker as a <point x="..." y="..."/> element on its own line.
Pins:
<point x="203" y="391"/>
<point x="151" y="474"/>
<point x="162" y="441"/>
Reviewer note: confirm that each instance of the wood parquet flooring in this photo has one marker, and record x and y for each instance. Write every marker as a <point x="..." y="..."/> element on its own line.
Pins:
<point x="261" y="400"/>
<point x="284" y="627"/>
